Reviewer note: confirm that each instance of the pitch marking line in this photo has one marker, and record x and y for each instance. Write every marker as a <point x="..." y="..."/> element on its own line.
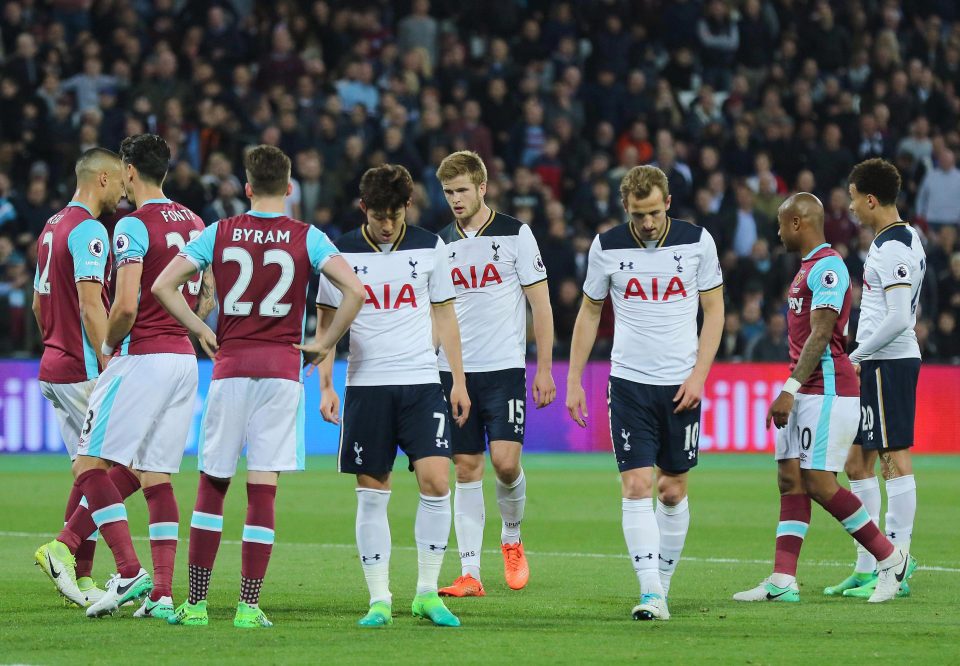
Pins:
<point x="604" y="556"/>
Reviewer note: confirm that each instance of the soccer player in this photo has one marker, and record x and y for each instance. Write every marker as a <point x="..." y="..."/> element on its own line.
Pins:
<point x="393" y="393"/>
<point x="657" y="270"/>
<point x="817" y="412"/>
<point x="139" y="414"/>
<point x="262" y="262"/>
<point x="888" y="357"/>
<point x="70" y="305"/>
<point x="494" y="263"/>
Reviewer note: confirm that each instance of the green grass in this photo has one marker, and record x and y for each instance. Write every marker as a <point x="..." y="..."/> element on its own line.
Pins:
<point x="576" y="608"/>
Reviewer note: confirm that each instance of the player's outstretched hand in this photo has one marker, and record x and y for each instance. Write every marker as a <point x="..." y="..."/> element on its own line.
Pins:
<point x="780" y="410"/>
<point x="544" y="388"/>
<point x="688" y="395"/>
<point x="330" y="406"/>
<point x="314" y="353"/>
<point x="208" y="340"/>
<point x="577" y="404"/>
<point x="459" y="404"/>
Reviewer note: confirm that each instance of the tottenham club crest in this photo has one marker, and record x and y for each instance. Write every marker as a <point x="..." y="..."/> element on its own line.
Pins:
<point x="677" y="257"/>
<point x="495" y="248"/>
<point x="121" y="243"/>
<point x="413" y="267"/>
<point x="829" y="279"/>
<point x="96" y="247"/>
<point x="626" y="439"/>
<point x="357" y="449"/>
<point x="901" y="272"/>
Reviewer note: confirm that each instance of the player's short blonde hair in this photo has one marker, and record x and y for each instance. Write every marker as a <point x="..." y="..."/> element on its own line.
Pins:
<point x="460" y="163"/>
<point x="641" y="180"/>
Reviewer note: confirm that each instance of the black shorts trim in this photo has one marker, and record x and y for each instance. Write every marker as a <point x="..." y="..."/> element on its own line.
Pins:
<point x="379" y="419"/>
<point x="497" y="409"/>
<point x="888" y="403"/>
<point x="646" y="433"/>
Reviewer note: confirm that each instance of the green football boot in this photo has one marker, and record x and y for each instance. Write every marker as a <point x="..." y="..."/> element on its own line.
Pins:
<point x="866" y="591"/>
<point x="379" y="615"/>
<point x="190" y="615"/>
<point x="250" y="617"/>
<point x="767" y="591"/>
<point x="430" y="606"/>
<point x="851" y="582"/>
<point x="162" y="608"/>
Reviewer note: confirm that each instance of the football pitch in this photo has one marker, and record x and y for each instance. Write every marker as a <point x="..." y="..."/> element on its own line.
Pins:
<point x="576" y="608"/>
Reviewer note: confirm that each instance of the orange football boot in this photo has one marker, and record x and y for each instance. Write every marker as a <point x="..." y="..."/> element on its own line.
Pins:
<point x="464" y="586"/>
<point x="515" y="568"/>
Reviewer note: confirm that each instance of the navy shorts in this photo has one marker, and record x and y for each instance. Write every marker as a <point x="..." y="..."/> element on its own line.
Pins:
<point x="646" y="432"/>
<point x="378" y="419"/>
<point x="497" y="408"/>
<point x="888" y="403"/>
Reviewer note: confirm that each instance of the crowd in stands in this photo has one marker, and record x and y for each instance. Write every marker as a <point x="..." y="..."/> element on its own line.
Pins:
<point x="740" y="103"/>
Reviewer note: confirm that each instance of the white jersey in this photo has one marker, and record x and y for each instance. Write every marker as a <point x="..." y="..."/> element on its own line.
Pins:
<point x="655" y="288"/>
<point x="391" y="340"/>
<point x="896" y="260"/>
<point x="490" y="268"/>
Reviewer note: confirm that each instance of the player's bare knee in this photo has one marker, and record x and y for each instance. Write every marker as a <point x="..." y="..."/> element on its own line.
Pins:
<point x="469" y="468"/>
<point x="636" y="484"/>
<point x="86" y="463"/>
<point x="434" y="486"/>
<point x="507" y="469"/>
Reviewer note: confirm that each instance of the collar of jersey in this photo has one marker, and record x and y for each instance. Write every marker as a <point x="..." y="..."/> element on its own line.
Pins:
<point x="376" y="248"/>
<point x="157" y="201"/>
<point x="463" y="234"/>
<point x="815" y="250"/>
<point x="80" y="205"/>
<point x="641" y="243"/>
<point x="259" y="213"/>
<point x="899" y="223"/>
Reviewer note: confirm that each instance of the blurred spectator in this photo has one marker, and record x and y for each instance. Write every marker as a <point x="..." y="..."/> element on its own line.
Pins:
<point x="937" y="202"/>
<point x="946" y="338"/>
<point x="226" y="204"/>
<point x="772" y="345"/>
<point x="838" y="227"/>
<point x="733" y="345"/>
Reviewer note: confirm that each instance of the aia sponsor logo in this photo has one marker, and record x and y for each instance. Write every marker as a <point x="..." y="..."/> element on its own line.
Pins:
<point x="474" y="278"/>
<point x="387" y="298"/>
<point x="654" y="290"/>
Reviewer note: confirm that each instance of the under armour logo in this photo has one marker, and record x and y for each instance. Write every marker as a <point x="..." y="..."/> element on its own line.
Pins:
<point x="365" y="559"/>
<point x="442" y="443"/>
<point x="360" y="269"/>
<point x="663" y="559"/>
<point x="691" y="455"/>
<point x="624" y="265"/>
<point x="434" y="546"/>
<point x="648" y="556"/>
<point x="413" y="267"/>
<point x="357" y="449"/>
<point x="495" y="247"/>
<point x="452" y="255"/>
<point x="518" y="429"/>
<point x="677" y="257"/>
<point x="891" y="535"/>
<point x="626" y="439"/>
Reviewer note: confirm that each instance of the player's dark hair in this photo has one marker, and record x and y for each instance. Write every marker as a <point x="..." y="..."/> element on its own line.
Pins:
<point x="386" y="188"/>
<point x="878" y="177"/>
<point x="149" y="153"/>
<point x="268" y="171"/>
<point x="93" y="160"/>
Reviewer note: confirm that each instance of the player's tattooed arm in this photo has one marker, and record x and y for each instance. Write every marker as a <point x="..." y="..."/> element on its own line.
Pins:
<point x="584" y="335"/>
<point x="166" y="289"/>
<point x="822" y="321"/>
<point x="205" y="301"/>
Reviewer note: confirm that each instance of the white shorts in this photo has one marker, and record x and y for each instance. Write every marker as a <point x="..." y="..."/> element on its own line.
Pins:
<point x="70" y="405"/>
<point x="265" y="413"/>
<point x="819" y="431"/>
<point x="140" y="412"/>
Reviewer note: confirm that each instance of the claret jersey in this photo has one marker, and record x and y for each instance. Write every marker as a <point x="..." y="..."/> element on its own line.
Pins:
<point x="391" y="340"/>
<point x="262" y="264"/>
<point x="153" y="235"/>
<point x="489" y="269"/>
<point x="655" y="287"/>
<point x="822" y="282"/>
<point x="72" y="247"/>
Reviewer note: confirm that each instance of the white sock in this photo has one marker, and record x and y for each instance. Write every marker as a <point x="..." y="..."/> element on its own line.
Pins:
<point x="643" y="542"/>
<point x="431" y="531"/>
<point x="901" y="509"/>
<point x="868" y="492"/>
<point x="673" y="522"/>
<point x="511" y="500"/>
<point x="469" y="517"/>
<point x="373" y="541"/>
